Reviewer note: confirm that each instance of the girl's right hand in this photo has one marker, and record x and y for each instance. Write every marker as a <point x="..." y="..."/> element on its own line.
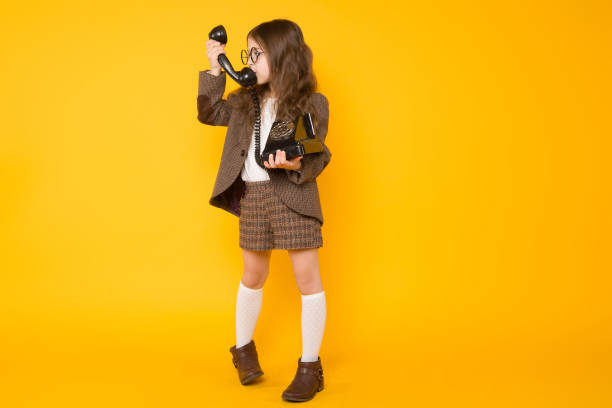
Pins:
<point x="213" y="49"/>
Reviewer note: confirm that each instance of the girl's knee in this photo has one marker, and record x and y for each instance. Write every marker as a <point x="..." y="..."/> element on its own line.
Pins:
<point x="309" y="283"/>
<point x="253" y="281"/>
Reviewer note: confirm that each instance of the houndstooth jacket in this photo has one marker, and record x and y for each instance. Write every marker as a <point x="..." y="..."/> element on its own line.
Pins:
<point x="298" y="190"/>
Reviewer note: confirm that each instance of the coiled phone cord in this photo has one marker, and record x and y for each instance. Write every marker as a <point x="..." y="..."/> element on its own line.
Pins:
<point x="255" y="98"/>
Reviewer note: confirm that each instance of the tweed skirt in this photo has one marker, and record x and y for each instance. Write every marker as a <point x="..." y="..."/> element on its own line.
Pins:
<point x="267" y="223"/>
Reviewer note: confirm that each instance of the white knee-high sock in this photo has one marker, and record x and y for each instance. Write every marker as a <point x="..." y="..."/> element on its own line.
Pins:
<point x="248" y="306"/>
<point x="314" y="312"/>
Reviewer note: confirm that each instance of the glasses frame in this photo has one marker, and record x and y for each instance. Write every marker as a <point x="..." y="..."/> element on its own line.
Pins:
<point x="244" y="55"/>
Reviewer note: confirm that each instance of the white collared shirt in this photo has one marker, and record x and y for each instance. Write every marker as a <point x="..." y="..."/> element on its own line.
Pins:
<point x="251" y="170"/>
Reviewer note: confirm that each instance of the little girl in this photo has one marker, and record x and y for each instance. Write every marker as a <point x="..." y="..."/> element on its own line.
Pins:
<point x="278" y="202"/>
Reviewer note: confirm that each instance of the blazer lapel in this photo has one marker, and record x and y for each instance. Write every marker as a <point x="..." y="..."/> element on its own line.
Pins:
<point x="245" y="135"/>
<point x="246" y="132"/>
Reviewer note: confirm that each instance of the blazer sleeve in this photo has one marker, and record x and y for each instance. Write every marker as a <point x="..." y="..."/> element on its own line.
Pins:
<point x="212" y="108"/>
<point x="314" y="163"/>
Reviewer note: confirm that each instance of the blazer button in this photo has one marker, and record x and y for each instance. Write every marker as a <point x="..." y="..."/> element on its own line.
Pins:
<point x="242" y="152"/>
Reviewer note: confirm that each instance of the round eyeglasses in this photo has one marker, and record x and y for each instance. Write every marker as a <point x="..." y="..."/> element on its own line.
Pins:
<point x="254" y="54"/>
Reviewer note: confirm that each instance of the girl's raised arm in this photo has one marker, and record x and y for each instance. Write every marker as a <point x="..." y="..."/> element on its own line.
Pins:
<point x="212" y="108"/>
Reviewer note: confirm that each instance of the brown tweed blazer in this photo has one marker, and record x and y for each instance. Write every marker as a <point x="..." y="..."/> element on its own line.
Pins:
<point x="298" y="190"/>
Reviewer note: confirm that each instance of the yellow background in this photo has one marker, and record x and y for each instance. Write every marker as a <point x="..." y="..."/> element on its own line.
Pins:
<point x="466" y="257"/>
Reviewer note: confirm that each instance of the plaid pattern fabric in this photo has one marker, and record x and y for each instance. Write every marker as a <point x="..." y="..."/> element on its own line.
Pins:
<point x="267" y="223"/>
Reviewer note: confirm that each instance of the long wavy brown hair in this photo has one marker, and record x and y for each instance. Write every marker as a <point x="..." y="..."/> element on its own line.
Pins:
<point x="291" y="75"/>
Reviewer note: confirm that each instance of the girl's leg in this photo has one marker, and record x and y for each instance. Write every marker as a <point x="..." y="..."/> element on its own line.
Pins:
<point x="256" y="267"/>
<point x="250" y="294"/>
<point x="314" y="309"/>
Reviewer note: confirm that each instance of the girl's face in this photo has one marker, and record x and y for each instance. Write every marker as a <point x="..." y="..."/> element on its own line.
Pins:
<point x="261" y="66"/>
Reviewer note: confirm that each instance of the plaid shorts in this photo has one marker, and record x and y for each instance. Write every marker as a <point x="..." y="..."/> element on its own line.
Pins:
<point x="267" y="223"/>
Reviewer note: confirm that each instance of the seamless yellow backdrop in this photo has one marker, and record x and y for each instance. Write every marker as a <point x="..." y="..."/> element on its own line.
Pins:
<point x="466" y="257"/>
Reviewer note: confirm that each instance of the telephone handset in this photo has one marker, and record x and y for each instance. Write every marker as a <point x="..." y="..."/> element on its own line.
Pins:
<point x="246" y="77"/>
<point x="296" y="138"/>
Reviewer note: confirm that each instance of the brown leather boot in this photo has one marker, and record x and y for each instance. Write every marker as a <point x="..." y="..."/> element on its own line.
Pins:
<point x="307" y="382"/>
<point x="246" y="361"/>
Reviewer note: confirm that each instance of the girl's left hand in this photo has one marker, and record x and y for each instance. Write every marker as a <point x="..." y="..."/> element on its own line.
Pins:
<point x="281" y="162"/>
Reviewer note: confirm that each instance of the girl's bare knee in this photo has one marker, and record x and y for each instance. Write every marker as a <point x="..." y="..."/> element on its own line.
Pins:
<point x="308" y="280"/>
<point x="253" y="281"/>
<point x="306" y="270"/>
<point x="256" y="268"/>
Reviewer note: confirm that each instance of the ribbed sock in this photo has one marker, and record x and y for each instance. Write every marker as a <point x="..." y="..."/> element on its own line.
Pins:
<point x="248" y="306"/>
<point x="314" y="312"/>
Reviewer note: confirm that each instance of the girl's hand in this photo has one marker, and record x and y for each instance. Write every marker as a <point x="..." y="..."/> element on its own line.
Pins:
<point x="213" y="49"/>
<point x="281" y="162"/>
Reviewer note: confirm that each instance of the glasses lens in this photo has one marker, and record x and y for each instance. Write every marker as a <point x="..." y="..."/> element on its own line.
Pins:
<point x="244" y="56"/>
<point x="254" y="55"/>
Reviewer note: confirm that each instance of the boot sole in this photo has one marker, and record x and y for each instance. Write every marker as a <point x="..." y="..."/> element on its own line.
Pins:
<point x="287" y="398"/>
<point x="251" y="377"/>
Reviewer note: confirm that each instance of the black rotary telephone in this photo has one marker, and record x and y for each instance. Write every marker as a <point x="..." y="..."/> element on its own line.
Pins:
<point x="295" y="137"/>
